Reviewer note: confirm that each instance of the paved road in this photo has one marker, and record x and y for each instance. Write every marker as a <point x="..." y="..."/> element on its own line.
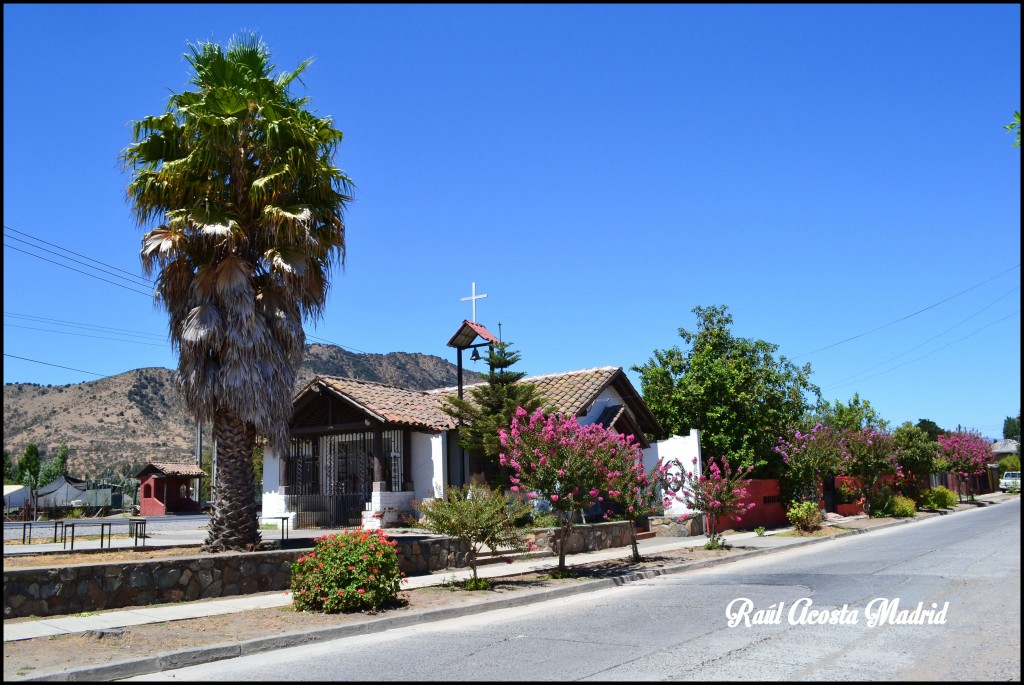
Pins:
<point x="676" y="627"/>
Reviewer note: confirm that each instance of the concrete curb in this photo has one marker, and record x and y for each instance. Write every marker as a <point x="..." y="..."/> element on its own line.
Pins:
<point x="202" y="655"/>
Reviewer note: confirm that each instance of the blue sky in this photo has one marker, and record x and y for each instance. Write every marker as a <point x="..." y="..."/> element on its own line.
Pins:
<point x="832" y="174"/>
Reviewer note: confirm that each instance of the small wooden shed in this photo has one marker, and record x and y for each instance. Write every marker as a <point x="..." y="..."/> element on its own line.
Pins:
<point x="166" y="488"/>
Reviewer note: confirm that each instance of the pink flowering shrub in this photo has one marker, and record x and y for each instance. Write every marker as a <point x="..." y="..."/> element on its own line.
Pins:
<point x="571" y="466"/>
<point x="872" y="458"/>
<point x="967" y="454"/>
<point x="349" y="571"/>
<point x="808" y="458"/>
<point x="717" y="493"/>
<point x="639" y="492"/>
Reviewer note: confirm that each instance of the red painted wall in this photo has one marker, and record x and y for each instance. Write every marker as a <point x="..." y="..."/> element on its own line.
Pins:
<point x="768" y="513"/>
<point x="155" y="504"/>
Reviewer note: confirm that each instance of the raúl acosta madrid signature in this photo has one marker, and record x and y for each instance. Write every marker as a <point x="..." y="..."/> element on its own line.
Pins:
<point x="878" y="612"/>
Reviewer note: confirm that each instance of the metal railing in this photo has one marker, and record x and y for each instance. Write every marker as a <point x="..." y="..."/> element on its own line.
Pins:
<point x="326" y="511"/>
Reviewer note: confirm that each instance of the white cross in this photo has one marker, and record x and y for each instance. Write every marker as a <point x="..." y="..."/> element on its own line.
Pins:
<point x="473" y="298"/>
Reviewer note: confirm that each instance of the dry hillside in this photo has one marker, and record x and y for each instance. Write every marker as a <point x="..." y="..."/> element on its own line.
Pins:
<point x="114" y="425"/>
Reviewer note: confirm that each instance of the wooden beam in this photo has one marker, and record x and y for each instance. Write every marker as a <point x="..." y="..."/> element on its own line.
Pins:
<point x="349" y="427"/>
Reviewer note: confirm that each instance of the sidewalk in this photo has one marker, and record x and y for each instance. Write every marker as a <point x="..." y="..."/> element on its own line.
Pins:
<point x="107" y="620"/>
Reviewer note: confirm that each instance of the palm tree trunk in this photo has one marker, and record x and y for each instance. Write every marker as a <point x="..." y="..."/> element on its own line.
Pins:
<point x="233" y="523"/>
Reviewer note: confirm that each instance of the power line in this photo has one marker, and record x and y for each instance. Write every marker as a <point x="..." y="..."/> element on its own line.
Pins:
<point x="86" y="335"/>
<point x="57" y="365"/>
<point x="344" y="348"/>
<point x="925" y="342"/>
<point x="933" y="351"/>
<point x="40" y="240"/>
<point x="76" y="324"/>
<point x="78" y="270"/>
<point x="931" y="306"/>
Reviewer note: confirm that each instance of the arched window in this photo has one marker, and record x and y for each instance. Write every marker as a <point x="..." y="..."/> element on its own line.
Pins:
<point x="147" y="490"/>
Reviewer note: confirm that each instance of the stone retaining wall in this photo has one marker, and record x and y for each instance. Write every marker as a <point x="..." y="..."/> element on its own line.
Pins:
<point x="583" y="538"/>
<point x="92" y="587"/>
<point x="671" y="527"/>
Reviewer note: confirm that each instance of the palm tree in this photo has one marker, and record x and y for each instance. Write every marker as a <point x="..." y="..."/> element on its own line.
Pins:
<point x="239" y="178"/>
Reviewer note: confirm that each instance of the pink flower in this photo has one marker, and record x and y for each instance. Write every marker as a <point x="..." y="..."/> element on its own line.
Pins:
<point x="554" y="498"/>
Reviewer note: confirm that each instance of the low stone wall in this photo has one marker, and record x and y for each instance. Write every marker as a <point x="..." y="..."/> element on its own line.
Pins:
<point x="583" y="538"/>
<point x="670" y="527"/>
<point x="92" y="587"/>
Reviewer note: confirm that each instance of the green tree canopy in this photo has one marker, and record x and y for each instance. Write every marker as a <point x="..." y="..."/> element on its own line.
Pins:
<point x="1014" y="127"/>
<point x="10" y="471"/>
<point x="856" y="414"/>
<point x="239" y="178"/>
<point x="735" y="390"/>
<point x="1011" y="428"/>
<point x="54" y="468"/>
<point x="917" y="453"/>
<point x="490" y="407"/>
<point x="931" y="428"/>
<point x="29" y="465"/>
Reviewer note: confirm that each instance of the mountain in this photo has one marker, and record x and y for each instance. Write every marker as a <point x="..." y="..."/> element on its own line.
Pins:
<point x="115" y="425"/>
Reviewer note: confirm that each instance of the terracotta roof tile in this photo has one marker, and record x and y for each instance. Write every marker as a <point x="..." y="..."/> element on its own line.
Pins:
<point x="392" y="404"/>
<point x="570" y="391"/>
<point x="177" y="469"/>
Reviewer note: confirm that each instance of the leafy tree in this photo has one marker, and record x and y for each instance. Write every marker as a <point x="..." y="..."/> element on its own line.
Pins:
<point x="740" y="396"/>
<point x="931" y="428"/>
<point x="1014" y="127"/>
<point x="10" y="474"/>
<point x="917" y="454"/>
<point x="490" y="407"/>
<point x="1011" y="428"/>
<point x="967" y="453"/>
<point x="29" y="466"/>
<point x="809" y="457"/>
<point x="569" y="465"/>
<point x="855" y="415"/>
<point x="869" y="455"/>
<point x="56" y="467"/>
<point x="239" y="177"/>
<point x="640" y="493"/>
<point x="478" y="517"/>
<point x="28" y="473"/>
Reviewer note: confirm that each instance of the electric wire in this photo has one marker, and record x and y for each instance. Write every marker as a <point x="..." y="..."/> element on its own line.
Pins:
<point x="14" y="356"/>
<point x="931" y="306"/>
<point x="146" y="281"/>
<point x="119" y="285"/>
<point x="906" y="352"/>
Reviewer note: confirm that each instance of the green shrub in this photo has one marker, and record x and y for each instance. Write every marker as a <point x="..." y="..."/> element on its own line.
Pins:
<point x="903" y="507"/>
<point x="805" y="516"/>
<point x="476" y="516"/>
<point x="349" y="571"/>
<point x="760" y="530"/>
<point x="543" y="519"/>
<point x="76" y="513"/>
<point x="939" y="497"/>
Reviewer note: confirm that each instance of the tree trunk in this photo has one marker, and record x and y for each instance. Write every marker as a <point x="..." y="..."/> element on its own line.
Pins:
<point x="632" y="538"/>
<point x="565" y="526"/>
<point x="233" y="523"/>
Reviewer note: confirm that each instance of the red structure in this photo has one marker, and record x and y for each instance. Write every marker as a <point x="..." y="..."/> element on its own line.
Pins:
<point x="168" y="489"/>
<point x="768" y="510"/>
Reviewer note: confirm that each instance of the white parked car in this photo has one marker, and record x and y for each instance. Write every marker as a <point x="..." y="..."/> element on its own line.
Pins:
<point x="1010" y="481"/>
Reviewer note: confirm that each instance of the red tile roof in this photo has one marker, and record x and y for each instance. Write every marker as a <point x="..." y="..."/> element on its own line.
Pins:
<point x="570" y="393"/>
<point x="392" y="404"/>
<point x="169" y="469"/>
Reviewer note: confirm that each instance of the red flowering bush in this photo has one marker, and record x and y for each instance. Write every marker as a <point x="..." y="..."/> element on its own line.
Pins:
<point x="349" y="571"/>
